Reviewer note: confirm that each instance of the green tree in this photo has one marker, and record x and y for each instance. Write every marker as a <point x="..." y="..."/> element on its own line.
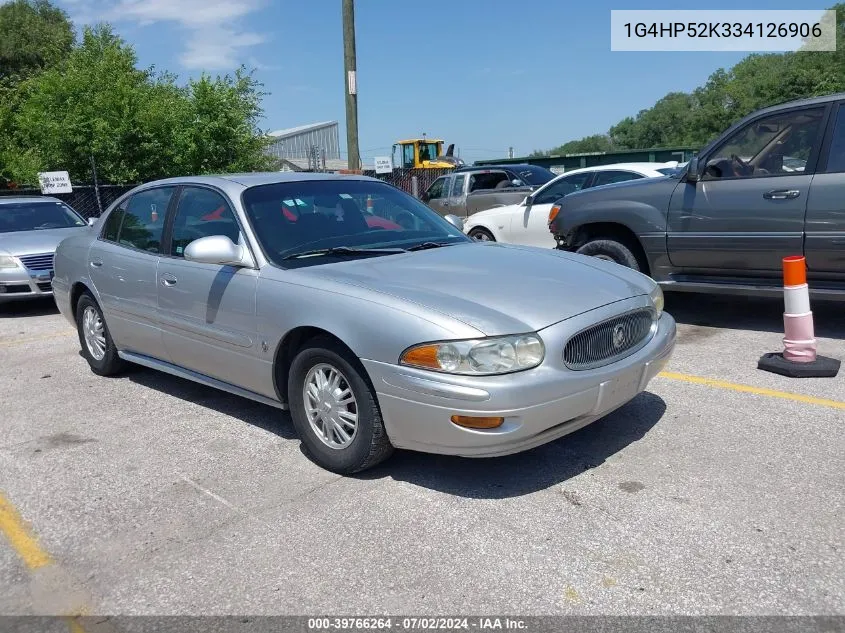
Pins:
<point x="34" y="35"/>
<point x="138" y="125"/>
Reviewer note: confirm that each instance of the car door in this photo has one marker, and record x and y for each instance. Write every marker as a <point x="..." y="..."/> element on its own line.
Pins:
<point x="438" y="194"/>
<point x="455" y="203"/>
<point x="824" y="243"/>
<point x="747" y="211"/>
<point x="123" y="265"/>
<point x="529" y="225"/>
<point x="207" y="311"/>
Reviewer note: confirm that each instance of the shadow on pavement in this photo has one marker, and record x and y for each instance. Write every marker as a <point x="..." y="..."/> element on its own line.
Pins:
<point x="487" y="478"/>
<point x="260" y="415"/>
<point x="749" y="313"/>
<point x="531" y="471"/>
<point x="28" y="308"/>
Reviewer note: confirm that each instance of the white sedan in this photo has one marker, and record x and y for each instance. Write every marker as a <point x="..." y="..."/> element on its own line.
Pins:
<point x="528" y="224"/>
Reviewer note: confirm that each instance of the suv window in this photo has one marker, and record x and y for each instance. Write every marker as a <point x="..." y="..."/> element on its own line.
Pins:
<point x="143" y="220"/>
<point x="768" y="146"/>
<point x="563" y="187"/>
<point x="614" y="175"/>
<point x="487" y="180"/>
<point x="458" y="185"/>
<point x="438" y="188"/>
<point x="201" y="213"/>
<point x="836" y="156"/>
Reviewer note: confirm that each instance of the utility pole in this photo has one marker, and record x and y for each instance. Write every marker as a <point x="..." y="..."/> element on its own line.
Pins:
<point x="351" y="84"/>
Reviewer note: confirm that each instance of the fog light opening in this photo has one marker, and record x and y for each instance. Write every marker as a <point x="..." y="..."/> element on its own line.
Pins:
<point x="472" y="422"/>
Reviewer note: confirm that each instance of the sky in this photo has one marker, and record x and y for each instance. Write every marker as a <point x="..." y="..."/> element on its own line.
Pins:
<point x="486" y="75"/>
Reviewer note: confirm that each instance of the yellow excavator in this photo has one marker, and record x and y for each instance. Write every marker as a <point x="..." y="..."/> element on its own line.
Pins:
<point x="425" y="153"/>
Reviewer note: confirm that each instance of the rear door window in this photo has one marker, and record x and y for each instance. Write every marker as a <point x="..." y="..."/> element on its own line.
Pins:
<point x="614" y="175"/>
<point x="143" y="221"/>
<point x="458" y="186"/>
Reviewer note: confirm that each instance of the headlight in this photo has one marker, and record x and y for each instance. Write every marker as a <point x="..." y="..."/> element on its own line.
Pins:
<point x="478" y="357"/>
<point x="656" y="295"/>
<point x="7" y="261"/>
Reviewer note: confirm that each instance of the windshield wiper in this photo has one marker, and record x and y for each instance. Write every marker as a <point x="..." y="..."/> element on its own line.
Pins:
<point x="344" y="250"/>
<point x="427" y="245"/>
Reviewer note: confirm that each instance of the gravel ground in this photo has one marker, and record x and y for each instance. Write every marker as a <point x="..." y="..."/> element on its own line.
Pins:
<point x="154" y="495"/>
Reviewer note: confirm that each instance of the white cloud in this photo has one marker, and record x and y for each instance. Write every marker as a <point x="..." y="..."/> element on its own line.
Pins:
<point x="215" y="38"/>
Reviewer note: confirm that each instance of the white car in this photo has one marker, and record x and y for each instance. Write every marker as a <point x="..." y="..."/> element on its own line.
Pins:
<point x="527" y="224"/>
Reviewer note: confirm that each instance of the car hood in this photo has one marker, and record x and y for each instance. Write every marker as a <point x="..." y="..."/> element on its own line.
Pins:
<point x="495" y="288"/>
<point x="32" y="242"/>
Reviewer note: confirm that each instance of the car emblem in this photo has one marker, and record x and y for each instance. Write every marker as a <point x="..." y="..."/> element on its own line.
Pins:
<point x="619" y="336"/>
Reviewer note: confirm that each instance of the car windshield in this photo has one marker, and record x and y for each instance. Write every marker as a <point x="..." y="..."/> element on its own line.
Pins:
<point x="353" y="217"/>
<point x="37" y="216"/>
<point x="669" y="171"/>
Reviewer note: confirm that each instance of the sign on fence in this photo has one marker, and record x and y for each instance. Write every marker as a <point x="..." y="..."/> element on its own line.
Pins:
<point x="384" y="165"/>
<point x="54" y="182"/>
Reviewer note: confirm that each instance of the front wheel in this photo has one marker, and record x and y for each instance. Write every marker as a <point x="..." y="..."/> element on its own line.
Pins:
<point x="334" y="409"/>
<point x="482" y="235"/>
<point x="610" y="250"/>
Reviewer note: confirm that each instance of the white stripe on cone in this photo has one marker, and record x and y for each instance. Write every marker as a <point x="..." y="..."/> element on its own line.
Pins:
<point x="796" y="299"/>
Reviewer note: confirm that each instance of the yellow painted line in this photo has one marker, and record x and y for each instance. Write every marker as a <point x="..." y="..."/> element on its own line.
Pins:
<point x="759" y="391"/>
<point x="34" y="339"/>
<point x="16" y="532"/>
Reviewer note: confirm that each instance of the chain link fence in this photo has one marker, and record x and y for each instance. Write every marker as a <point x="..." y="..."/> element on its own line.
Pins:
<point x="88" y="200"/>
<point x="404" y="178"/>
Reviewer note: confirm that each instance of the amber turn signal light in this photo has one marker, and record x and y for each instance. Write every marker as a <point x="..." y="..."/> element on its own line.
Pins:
<point x="472" y="422"/>
<point x="553" y="213"/>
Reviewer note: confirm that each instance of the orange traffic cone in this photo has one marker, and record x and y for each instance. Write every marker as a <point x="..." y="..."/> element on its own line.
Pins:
<point x="799" y="358"/>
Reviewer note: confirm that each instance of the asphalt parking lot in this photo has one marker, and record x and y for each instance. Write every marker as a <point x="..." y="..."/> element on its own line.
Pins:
<point x="147" y="494"/>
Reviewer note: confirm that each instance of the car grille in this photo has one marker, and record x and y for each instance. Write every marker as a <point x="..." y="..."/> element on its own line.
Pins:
<point x="43" y="261"/>
<point x="45" y="286"/>
<point x="610" y="340"/>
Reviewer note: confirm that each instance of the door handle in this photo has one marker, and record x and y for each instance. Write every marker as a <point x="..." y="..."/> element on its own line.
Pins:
<point x="782" y="194"/>
<point x="96" y="263"/>
<point x="168" y="280"/>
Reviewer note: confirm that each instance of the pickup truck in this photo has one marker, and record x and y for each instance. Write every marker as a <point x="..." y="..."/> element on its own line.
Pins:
<point x="771" y="186"/>
<point x="468" y="190"/>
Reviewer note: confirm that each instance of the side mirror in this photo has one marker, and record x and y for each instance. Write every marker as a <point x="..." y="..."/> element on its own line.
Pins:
<point x="455" y="221"/>
<point x="529" y="200"/>
<point x="424" y="196"/>
<point x="693" y="170"/>
<point x="216" y="249"/>
<point x="92" y="221"/>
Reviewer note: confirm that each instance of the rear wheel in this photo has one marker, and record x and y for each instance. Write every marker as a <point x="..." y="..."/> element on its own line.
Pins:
<point x="334" y="409"/>
<point x="482" y="235"/>
<point x="610" y="250"/>
<point x="98" y="348"/>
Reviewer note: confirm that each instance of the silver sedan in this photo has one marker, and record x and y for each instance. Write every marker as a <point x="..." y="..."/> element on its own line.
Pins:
<point x="377" y="322"/>
<point x="30" y="229"/>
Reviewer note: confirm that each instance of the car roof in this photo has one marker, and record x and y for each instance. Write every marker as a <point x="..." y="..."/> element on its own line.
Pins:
<point x="11" y="199"/>
<point x="252" y="179"/>
<point x="511" y="166"/>
<point x="649" y="167"/>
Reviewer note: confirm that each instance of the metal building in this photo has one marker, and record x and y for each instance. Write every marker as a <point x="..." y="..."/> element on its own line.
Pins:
<point x="303" y="143"/>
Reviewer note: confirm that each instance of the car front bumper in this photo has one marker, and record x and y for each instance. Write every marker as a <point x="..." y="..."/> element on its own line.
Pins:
<point x="539" y="405"/>
<point x="19" y="284"/>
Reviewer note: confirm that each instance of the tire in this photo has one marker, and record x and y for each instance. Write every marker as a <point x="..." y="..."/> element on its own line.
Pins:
<point x="611" y="250"/>
<point x="366" y="443"/>
<point x="482" y="235"/>
<point x="103" y="360"/>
